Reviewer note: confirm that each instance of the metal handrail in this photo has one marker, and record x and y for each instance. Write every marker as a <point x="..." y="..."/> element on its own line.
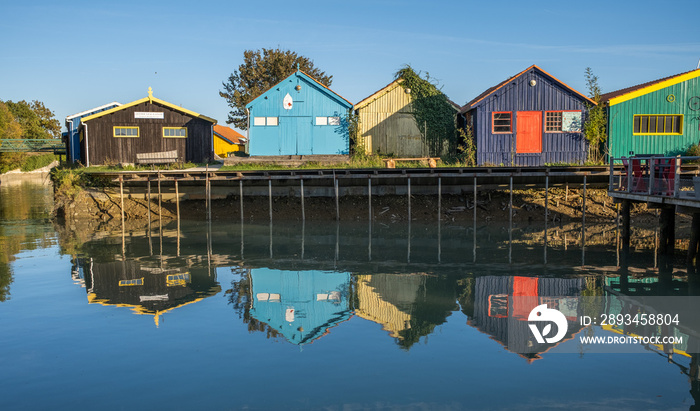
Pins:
<point x="653" y="176"/>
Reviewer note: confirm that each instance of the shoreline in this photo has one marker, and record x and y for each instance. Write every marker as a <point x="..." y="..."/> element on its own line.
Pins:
<point x="16" y="176"/>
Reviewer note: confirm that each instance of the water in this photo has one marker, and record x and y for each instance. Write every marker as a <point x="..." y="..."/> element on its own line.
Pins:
<point x="314" y="316"/>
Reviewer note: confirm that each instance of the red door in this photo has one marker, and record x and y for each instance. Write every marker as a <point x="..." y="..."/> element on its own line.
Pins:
<point x="528" y="133"/>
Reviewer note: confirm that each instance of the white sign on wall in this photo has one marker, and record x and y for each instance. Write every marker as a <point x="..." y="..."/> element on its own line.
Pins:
<point x="149" y="114"/>
<point x="571" y="121"/>
<point x="287" y="102"/>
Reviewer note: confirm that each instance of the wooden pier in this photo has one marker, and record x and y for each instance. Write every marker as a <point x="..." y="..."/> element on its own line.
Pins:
<point x="664" y="183"/>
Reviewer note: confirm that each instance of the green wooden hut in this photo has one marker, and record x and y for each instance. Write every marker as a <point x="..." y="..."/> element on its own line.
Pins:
<point x="660" y="117"/>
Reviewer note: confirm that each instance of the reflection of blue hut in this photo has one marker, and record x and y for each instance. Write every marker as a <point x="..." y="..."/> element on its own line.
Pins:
<point x="301" y="305"/>
<point x="73" y="127"/>
<point x="298" y="116"/>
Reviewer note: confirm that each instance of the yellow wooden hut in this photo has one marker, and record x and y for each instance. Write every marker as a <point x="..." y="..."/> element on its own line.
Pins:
<point x="227" y="140"/>
<point x="387" y="125"/>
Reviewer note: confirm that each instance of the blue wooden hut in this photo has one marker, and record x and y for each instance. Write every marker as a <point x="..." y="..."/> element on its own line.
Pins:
<point x="72" y="136"/>
<point x="302" y="306"/>
<point x="298" y="116"/>
<point x="528" y="120"/>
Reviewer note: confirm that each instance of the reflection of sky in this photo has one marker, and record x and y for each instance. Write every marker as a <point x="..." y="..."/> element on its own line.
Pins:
<point x="78" y="354"/>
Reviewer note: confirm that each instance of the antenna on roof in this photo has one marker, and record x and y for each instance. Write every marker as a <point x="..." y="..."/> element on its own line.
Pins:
<point x="698" y="67"/>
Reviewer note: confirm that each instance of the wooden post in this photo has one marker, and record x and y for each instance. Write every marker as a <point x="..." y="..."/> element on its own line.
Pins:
<point x="208" y="195"/>
<point x="369" y="197"/>
<point x="160" y="201"/>
<point x="510" y="222"/>
<point x="652" y="173"/>
<point x="121" y="197"/>
<point x="677" y="178"/>
<point x="566" y="193"/>
<point x="474" y="239"/>
<point x="240" y="196"/>
<point x="625" y="211"/>
<point x="177" y="208"/>
<point x="269" y="196"/>
<point x="546" y="198"/>
<point x="206" y="191"/>
<point x="303" y="212"/>
<point x="409" y="198"/>
<point x="694" y="238"/>
<point x="337" y="203"/>
<point x="439" y="198"/>
<point x="149" y="208"/>
<point x="177" y="202"/>
<point x="583" y="207"/>
<point x="668" y="236"/>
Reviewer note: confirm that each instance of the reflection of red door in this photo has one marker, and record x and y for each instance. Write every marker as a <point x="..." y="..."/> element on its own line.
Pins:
<point x="528" y="134"/>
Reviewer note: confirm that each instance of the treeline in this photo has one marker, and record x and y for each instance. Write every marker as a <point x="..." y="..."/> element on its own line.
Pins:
<point x="27" y="120"/>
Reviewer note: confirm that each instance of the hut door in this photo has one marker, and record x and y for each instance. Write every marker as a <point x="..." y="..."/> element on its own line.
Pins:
<point x="288" y="135"/>
<point x="304" y="136"/>
<point x="528" y="135"/>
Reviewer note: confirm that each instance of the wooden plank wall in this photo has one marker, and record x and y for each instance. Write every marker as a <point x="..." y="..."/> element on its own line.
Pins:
<point x="104" y="148"/>
<point x="388" y="127"/>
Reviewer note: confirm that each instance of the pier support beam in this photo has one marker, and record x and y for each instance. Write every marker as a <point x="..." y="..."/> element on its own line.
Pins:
<point x="694" y="239"/>
<point x="667" y="221"/>
<point x="625" y="213"/>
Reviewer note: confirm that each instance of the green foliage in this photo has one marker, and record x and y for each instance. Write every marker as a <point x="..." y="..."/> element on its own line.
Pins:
<point x="434" y="114"/>
<point x="24" y="161"/>
<point x="36" y="162"/>
<point x="35" y="120"/>
<point x="357" y="147"/>
<point x="467" y="147"/>
<point x="262" y="69"/>
<point x="9" y="127"/>
<point x="692" y="151"/>
<point x="595" y="125"/>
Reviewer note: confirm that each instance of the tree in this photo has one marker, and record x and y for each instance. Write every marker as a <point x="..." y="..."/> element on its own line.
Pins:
<point x="595" y="126"/>
<point x="9" y="127"/>
<point x="262" y="69"/>
<point x="36" y="121"/>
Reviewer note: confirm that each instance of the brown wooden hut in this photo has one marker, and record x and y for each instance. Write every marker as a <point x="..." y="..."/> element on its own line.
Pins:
<point x="148" y="126"/>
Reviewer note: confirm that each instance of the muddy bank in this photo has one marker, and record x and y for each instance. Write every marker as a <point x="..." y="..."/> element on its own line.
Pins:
<point x="38" y="176"/>
<point x="96" y="207"/>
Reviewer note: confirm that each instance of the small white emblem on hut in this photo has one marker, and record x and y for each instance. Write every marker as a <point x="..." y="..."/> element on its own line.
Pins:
<point x="287" y="102"/>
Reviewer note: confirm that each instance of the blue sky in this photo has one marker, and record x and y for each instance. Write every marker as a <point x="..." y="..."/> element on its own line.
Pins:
<point x="77" y="55"/>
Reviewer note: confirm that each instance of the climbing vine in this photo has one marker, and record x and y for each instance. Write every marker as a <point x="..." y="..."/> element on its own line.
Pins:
<point x="433" y="112"/>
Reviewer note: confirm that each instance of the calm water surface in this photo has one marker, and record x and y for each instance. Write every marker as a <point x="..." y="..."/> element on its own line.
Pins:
<point x="314" y="316"/>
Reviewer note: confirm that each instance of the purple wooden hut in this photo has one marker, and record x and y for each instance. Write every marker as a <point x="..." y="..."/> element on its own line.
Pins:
<point x="530" y="119"/>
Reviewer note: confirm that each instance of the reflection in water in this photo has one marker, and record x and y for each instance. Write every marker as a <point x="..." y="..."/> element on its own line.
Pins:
<point x="298" y="283"/>
<point x="502" y="305"/>
<point x="301" y="306"/>
<point x="24" y="211"/>
<point x="146" y="288"/>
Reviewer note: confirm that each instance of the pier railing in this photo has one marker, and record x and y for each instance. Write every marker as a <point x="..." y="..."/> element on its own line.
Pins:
<point x="655" y="176"/>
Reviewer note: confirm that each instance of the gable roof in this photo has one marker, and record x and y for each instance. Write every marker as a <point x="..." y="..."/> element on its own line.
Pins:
<point x="491" y="90"/>
<point x="150" y="99"/>
<point x="374" y="96"/>
<point x="325" y="89"/>
<point x="622" y="95"/>
<point x="92" y="110"/>
<point x="228" y="134"/>
<point x="377" y="94"/>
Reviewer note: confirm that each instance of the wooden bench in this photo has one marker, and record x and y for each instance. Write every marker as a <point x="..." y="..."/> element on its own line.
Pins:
<point x="161" y="157"/>
<point x="391" y="162"/>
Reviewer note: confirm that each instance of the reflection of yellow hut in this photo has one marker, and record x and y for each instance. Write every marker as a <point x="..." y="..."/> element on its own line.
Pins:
<point x="388" y="300"/>
<point x="146" y="290"/>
